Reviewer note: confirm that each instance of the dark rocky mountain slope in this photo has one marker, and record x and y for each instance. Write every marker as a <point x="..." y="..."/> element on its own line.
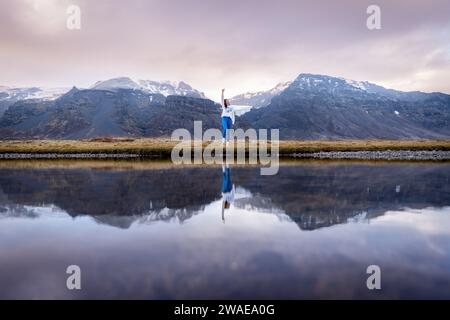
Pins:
<point x="82" y="114"/>
<point x="323" y="107"/>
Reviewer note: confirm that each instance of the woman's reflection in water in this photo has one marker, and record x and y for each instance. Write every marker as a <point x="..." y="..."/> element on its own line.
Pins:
<point x="227" y="189"/>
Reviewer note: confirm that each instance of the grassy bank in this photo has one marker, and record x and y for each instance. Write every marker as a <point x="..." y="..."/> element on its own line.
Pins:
<point x="162" y="147"/>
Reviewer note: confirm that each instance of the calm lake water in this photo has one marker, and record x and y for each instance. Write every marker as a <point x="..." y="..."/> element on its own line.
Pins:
<point x="154" y="231"/>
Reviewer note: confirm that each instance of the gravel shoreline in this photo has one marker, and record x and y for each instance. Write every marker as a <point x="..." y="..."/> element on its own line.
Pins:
<point x="17" y="156"/>
<point x="339" y="155"/>
<point x="377" y="155"/>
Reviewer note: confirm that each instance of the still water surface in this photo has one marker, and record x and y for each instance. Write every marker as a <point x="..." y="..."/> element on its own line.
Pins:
<point x="154" y="231"/>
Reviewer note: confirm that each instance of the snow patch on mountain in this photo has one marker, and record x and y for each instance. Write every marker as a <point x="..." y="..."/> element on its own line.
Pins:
<point x="363" y="85"/>
<point x="241" y="109"/>
<point x="27" y="93"/>
<point x="258" y="99"/>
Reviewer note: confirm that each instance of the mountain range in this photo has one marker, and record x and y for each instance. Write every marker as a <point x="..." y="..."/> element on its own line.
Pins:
<point x="310" y="107"/>
<point x="82" y="114"/>
<point x="9" y="96"/>
<point x="317" y="107"/>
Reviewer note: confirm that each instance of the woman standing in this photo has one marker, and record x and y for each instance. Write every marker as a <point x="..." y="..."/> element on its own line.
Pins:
<point x="227" y="118"/>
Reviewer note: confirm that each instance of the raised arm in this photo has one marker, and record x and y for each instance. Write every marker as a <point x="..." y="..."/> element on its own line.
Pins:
<point x="222" y="100"/>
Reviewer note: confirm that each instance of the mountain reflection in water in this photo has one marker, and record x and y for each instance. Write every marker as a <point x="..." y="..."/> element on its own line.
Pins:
<point x="312" y="195"/>
<point x="163" y="232"/>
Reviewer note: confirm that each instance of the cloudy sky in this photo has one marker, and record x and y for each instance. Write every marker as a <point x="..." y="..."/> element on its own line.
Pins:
<point x="243" y="45"/>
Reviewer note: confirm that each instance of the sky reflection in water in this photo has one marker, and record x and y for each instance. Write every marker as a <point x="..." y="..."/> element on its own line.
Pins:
<point x="158" y="232"/>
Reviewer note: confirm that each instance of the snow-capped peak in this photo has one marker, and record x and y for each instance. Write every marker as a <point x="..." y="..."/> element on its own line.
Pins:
<point x="165" y="88"/>
<point x="306" y="80"/>
<point x="116" y="83"/>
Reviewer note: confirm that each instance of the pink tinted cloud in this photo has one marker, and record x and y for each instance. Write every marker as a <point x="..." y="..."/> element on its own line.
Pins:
<point x="242" y="45"/>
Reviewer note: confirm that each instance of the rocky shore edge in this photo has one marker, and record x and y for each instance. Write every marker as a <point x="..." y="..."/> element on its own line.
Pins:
<point x="377" y="155"/>
<point x="18" y="156"/>
<point x="416" y="155"/>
